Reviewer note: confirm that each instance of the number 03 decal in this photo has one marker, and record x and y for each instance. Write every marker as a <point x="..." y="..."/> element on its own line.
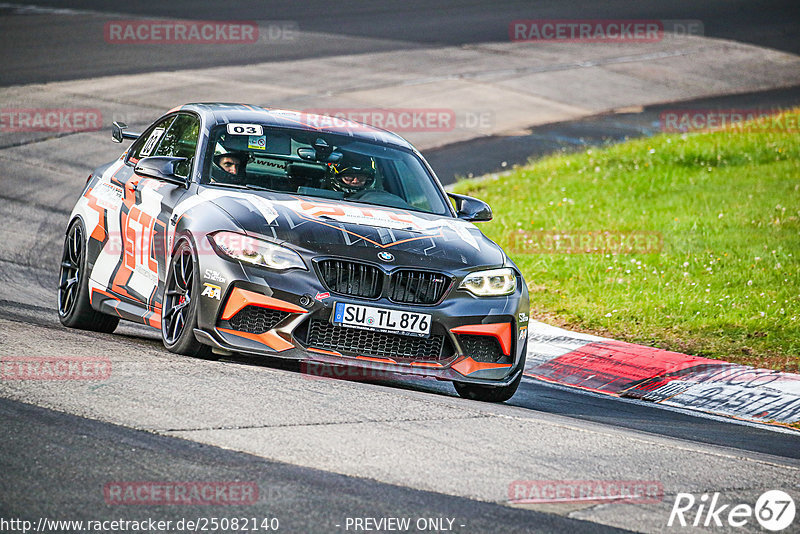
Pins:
<point x="245" y="129"/>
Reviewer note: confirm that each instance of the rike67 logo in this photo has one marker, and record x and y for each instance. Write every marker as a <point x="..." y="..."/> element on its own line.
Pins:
<point x="774" y="510"/>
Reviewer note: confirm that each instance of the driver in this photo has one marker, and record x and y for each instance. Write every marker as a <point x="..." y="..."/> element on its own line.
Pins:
<point x="354" y="177"/>
<point x="228" y="166"/>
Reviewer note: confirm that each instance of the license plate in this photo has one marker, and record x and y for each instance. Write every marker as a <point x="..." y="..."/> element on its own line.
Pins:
<point x="382" y="320"/>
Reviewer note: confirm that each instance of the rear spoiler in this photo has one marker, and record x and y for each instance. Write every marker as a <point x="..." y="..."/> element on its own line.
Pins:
<point x="118" y="132"/>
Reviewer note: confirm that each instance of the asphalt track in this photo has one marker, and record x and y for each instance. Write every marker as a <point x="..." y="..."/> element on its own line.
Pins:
<point x="54" y="464"/>
<point x="39" y="46"/>
<point x="533" y="396"/>
<point x="34" y="482"/>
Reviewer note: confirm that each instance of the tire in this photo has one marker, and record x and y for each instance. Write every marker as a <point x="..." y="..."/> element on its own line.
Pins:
<point x="74" y="308"/>
<point x="487" y="393"/>
<point x="179" y="309"/>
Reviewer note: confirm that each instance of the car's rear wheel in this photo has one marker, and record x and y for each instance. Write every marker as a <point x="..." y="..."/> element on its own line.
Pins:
<point x="179" y="310"/>
<point x="74" y="308"/>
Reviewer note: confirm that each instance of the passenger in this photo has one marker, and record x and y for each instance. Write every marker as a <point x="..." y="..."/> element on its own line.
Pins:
<point x="354" y="178"/>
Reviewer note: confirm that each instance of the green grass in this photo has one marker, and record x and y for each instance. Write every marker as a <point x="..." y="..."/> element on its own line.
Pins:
<point x="727" y="204"/>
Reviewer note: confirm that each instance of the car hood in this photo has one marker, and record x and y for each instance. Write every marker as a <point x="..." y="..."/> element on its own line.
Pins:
<point x="316" y="226"/>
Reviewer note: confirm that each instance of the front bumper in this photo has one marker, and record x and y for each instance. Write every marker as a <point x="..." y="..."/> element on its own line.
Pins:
<point x="288" y="315"/>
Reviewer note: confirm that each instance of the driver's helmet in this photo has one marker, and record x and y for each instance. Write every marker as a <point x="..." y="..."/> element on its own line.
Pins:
<point x="353" y="175"/>
<point x="228" y="165"/>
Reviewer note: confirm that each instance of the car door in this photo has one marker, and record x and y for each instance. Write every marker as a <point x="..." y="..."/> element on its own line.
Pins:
<point x="147" y="206"/>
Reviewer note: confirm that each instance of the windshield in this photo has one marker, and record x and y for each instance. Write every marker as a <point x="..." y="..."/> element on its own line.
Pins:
<point x="320" y="165"/>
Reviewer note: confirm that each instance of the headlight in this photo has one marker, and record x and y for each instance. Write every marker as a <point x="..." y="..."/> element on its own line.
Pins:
<point x="256" y="251"/>
<point x="492" y="283"/>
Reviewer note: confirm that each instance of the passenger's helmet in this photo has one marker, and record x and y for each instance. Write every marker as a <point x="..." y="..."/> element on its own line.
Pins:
<point x="353" y="176"/>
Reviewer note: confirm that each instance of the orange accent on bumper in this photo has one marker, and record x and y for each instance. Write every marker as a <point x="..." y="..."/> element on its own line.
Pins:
<point x="323" y="351"/>
<point x="468" y="366"/>
<point x="241" y="297"/>
<point x="270" y="339"/>
<point x="426" y="364"/>
<point x="381" y="360"/>
<point x="501" y="331"/>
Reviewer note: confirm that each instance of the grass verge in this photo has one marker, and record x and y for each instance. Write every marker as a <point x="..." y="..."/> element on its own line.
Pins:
<point x="688" y="242"/>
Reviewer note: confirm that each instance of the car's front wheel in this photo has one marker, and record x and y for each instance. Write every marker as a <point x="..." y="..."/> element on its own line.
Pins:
<point x="488" y="393"/>
<point x="179" y="309"/>
<point x="74" y="308"/>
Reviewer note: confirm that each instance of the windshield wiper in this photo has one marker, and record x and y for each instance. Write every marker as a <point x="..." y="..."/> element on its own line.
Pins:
<point x="240" y="186"/>
<point x="258" y="187"/>
<point x="226" y="184"/>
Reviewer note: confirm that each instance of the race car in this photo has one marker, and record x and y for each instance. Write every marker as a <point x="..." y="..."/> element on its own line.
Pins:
<point x="240" y="229"/>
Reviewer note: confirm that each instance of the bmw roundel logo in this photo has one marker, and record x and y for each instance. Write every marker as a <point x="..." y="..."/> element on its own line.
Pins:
<point x="385" y="256"/>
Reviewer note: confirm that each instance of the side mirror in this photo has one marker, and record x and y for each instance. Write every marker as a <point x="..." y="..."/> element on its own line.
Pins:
<point x="161" y="168"/>
<point x="471" y="209"/>
<point x="118" y="132"/>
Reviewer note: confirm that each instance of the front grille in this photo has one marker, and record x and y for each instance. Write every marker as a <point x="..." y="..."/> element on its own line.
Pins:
<point x="324" y="335"/>
<point x="256" y="320"/>
<point x="350" y="278"/>
<point x="484" y="349"/>
<point x="417" y="287"/>
<point x="367" y="281"/>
